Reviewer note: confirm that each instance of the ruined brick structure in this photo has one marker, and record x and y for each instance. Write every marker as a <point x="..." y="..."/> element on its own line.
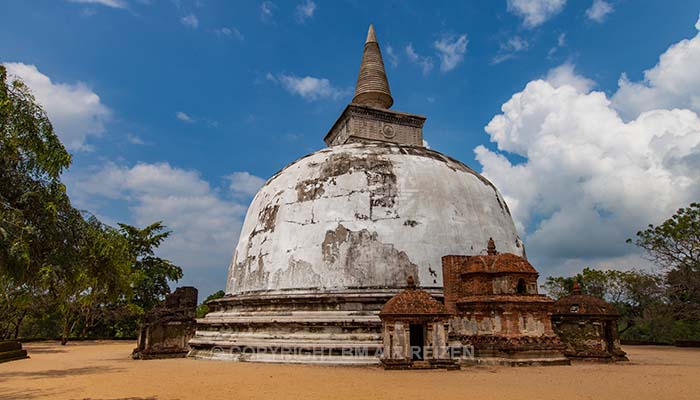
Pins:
<point x="415" y="329"/>
<point x="498" y="310"/>
<point x="587" y="326"/>
<point x="328" y="240"/>
<point x="167" y="329"/>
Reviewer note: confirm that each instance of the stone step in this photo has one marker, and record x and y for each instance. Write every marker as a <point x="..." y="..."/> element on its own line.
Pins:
<point x="9" y="345"/>
<point x="12" y="355"/>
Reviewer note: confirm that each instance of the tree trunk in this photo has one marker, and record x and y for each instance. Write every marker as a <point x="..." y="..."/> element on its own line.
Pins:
<point x="66" y="329"/>
<point x="19" y="323"/>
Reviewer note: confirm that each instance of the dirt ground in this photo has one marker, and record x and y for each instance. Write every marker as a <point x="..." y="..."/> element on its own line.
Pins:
<point x="104" y="370"/>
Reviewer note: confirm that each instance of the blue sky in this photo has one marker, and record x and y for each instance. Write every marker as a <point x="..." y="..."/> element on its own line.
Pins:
<point x="178" y="110"/>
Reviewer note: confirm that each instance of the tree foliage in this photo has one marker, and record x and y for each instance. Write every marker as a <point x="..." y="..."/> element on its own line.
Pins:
<point x="151" y="273"/>
<point x="661" y="306"/>
<point x="62" y="272"/>
<point x="203" y="308"/>
<point x="675" y="247"/>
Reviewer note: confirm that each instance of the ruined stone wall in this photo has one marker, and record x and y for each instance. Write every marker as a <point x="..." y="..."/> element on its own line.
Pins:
<point x="583" y="337"/>
<point x="167" y="329"/>
<point x="503" y="321"/>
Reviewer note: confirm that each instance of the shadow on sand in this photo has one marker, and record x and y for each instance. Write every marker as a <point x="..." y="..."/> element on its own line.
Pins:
<point x="6" y="394"/>
<point x="57" y="373"/>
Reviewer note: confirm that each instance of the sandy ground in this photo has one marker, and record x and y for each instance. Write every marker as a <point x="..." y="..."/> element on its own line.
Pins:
<point x="104" y="370"/>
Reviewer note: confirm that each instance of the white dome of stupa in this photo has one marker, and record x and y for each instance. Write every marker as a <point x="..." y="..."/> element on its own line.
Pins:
<point x="366" y="215"/>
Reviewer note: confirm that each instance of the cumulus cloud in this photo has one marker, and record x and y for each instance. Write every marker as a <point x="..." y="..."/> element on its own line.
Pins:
<point x="244" y="184"/>
<point x="205" y="222"/>
<point x="535" y="12"/>
<point x="424" y="62"/>
<point x="451" y="50"/>
<point x="308" y="87"/>
<point x="672" y="82"/>
<point x="565" y="75"/>
<point x="190" y="20"/>
<point x="305" y="10"/>
<point x="107" y="3"/>
<point x="599" y="10"/>
<point x="76" y="112"/>
<point x="590" y="178"/>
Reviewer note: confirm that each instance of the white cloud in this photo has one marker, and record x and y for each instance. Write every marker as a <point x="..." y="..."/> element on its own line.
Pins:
<point x="183" y="116"/>
<point x="451" y="50"/>
<point x="508" y="50"/>
<point x="535" y="12"/>
<point x="565" y="75"/>
<point x="266" y="10"/>
<point x="244" y="184"/>
<point x="672" y="82"/>
<point x="697" y="24"/>
<point x="308" y="87"/>
<point x="205" y="222"/>
<point x="590" y="179"/>
<point x="425" y="62"/>
<point x="134" y="139"/>
<point x="599" y="10"/>
<point x="190" y="20"/>
<point x="561" y="42"/>
<point x="393" y="58"/>
<point x="107" y="3"/>
<point x="230" y="32"/>
<point x="75" y="111"/>
<point x="305" y="10"/>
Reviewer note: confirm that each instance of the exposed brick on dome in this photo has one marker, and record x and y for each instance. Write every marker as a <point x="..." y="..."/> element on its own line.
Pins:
<point x="582" y="304"/>
<point x="499" y="263"/>
<point x="413" y="302"/>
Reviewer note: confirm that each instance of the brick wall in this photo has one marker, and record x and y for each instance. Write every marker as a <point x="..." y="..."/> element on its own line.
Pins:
<point x="359" y="123"/>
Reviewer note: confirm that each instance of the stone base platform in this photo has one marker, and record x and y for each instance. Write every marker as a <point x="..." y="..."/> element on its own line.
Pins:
<point x="11" y="350"/>
<point x="393" y="364"/>
<point x="516" y="351"/>
<point x="311" y="327"/>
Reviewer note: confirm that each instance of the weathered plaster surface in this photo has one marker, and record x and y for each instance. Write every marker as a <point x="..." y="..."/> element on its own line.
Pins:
<point x="366" y="215"/>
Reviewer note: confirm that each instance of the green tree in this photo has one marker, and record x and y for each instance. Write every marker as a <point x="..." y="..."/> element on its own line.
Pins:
<point x="674" y="246"/>
<point x="63" y="274"/>
<point x="34" y="208"/>
<point x="151" y="273"/>
<point x="637" y="295"/>
<point x="203" y="308"/>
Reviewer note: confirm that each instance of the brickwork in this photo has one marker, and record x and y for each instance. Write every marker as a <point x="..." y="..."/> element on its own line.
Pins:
<point x="588" y="327"/>
<point x="498" y="310"/>
<point x="366" y="123"/>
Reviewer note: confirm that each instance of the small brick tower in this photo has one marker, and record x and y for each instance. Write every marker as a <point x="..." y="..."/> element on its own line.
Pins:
<point x="498" y="310"/>
<point x="588" y="327"/>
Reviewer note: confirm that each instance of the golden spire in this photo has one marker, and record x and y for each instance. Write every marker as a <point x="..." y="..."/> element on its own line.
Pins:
<point x="372" y="87"/>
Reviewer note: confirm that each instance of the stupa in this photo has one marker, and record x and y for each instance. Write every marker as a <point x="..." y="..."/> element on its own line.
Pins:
<point x="329" y="239"/>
